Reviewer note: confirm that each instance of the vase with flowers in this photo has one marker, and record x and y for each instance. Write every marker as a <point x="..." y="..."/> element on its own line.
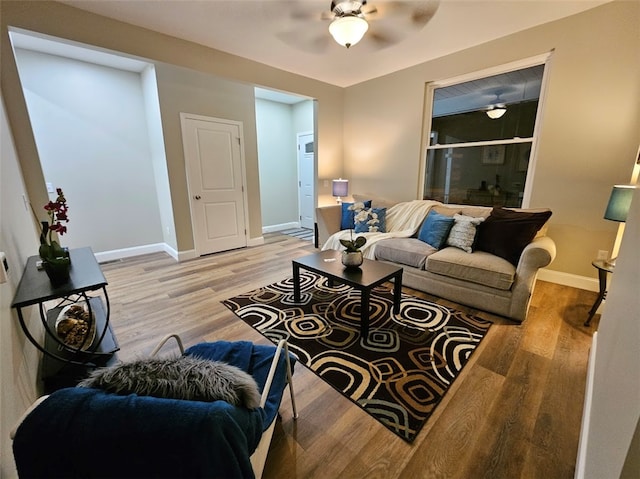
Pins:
<point x="55" y="258"/>
<point x="352" y="256"/>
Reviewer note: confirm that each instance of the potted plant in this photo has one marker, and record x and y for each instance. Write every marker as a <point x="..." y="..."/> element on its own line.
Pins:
<point x="352" y="255"/>
<point x="55" y="258"/>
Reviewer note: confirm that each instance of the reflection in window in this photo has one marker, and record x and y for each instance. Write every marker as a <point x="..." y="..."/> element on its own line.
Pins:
<point x="473" y="158"/>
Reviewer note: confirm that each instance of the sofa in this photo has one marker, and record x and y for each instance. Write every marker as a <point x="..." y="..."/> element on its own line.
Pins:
<point x="493" y="269"/>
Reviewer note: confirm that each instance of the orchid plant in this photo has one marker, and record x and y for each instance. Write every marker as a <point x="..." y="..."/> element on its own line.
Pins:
<point x="353" y="245"/>
<point x="50" y="250"/>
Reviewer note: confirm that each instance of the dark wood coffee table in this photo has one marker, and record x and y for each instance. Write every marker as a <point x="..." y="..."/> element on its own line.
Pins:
<point x="369" y="275"/>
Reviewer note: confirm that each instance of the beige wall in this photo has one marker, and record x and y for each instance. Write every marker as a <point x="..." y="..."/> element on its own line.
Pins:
<point x="590" y="130"/>
<point x="589" y="136"/>
<point x="186" y="91"/>
<point x="69" y="23"/>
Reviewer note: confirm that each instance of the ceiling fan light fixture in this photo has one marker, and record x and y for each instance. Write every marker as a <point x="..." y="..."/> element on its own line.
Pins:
<point x="496" y="112"/>
<point x="348" y="30"/>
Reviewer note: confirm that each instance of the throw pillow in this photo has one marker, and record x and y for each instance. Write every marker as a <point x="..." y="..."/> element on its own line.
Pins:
<point x="347" y="222"/>
<point x="371" y="220"/>
<point x="505" y="233"/>
<point x="463" y="232"/>
<point x="184" y="377"/>
<point x="435" y="229"/>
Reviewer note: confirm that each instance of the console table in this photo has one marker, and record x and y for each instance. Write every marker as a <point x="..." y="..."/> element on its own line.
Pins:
<point x="64" y="365"/>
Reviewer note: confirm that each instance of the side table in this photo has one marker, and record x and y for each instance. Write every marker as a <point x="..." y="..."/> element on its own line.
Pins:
<point x="603" y="269"/>
<point x="63" y="365"/>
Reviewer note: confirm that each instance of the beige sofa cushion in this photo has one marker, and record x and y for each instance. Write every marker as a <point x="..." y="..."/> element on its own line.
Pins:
<point x="408" y="251"/>
<point x="477" y="267"/>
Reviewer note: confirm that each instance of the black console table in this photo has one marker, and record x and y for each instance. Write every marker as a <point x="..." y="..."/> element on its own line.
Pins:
<point x="64" y="365"/>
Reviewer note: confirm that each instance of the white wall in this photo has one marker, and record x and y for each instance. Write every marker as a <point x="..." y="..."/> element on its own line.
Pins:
<point x="158" y="155"/>
<point x="18" y="358"/>
<point x="615" y="396"/>
<point x="91" y="132"/>
<point x="303" y="116"/>
<point x="278" y="163"/>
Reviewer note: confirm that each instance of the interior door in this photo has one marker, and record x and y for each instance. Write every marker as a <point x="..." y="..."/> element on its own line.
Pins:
<point x="213" y="157"/>
<point x="306" y="179"/>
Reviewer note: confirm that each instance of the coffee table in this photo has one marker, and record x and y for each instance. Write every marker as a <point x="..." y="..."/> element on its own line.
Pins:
<point x="369" y="275"/>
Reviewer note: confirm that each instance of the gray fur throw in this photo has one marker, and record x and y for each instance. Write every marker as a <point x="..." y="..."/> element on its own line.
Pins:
<point x="184" y="377"/>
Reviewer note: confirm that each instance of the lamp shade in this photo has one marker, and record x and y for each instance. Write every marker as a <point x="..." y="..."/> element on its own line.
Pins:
<point x="348" y="30"/>
<point x="496" y="112"/>
<point x="340" y="187"/>
<point x="619" y="203"/>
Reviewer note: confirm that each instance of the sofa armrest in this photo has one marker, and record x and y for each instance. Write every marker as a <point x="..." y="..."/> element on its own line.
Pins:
<point x="328" y="219"/>
<point x="537" y="254"/>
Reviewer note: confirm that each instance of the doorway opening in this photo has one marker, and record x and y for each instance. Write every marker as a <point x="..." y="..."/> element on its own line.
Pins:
<point x="285" y="125"/>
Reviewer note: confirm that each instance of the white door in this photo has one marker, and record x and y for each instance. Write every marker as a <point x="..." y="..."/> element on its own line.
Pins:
<point x="214" y="161"/>
<point x="306" y="179"/>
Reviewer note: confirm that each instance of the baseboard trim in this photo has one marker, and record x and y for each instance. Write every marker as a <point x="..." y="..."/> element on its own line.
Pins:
<point x="568" y="279"/>
<point x="116" y="254"/>
<point x="186" y="255"/>
<point x="259" y="241"/>
<point x="586" y="412"/>
<point x="280" y="227"/>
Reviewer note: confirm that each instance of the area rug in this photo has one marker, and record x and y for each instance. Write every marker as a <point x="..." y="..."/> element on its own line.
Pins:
<point x="398" y="374"/>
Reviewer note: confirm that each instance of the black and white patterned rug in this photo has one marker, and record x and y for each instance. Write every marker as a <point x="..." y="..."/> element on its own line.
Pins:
<point x="398" y="374"/>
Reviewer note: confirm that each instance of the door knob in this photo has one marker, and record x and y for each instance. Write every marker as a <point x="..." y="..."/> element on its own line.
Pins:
<point x="197" y="197"/>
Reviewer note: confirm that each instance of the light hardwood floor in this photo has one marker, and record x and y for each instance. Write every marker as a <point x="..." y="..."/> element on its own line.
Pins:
<point x="514" y="412"/>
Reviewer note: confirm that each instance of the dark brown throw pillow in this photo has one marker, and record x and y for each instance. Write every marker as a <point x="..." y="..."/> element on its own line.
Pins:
<point x="505" y="233"/>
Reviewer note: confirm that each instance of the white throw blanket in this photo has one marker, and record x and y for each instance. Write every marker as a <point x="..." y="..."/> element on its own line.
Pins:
<point x="403" y="220"/>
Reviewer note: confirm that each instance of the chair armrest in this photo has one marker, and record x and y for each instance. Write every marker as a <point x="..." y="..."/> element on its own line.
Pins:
<point x="30" y="409"/>
<point x="164" y="340"/>
<point x="328" y="219"/>
<point x="283" y="347"/>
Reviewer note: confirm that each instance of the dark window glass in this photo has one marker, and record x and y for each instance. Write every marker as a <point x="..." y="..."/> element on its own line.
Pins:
<point x="489" y="175"/>
<point x="481" y="175"/>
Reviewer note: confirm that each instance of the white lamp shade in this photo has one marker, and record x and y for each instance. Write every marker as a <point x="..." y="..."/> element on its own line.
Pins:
<point x="348" y="30"/>
<point x="496" y="112"/>
<point x="340" y="187"/>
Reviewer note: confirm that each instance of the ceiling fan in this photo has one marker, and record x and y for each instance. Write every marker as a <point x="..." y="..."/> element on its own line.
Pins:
<point x="349" y="24"/>
<point x="385" y="23"/>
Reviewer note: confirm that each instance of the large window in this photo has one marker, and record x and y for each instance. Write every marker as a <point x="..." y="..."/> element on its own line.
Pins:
<point x="481" y="138"/>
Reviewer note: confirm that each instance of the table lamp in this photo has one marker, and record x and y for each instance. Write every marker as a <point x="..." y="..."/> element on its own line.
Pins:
<point x="340" y="188"/>
<point x="618" y="207"/>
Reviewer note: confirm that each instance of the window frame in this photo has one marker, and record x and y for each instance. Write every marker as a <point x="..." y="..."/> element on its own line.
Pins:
<point x="430" y="87"/>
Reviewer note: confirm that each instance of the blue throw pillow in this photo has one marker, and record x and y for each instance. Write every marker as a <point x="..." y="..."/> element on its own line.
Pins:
<point x="435" y="229"/>
<point x="369" y="224"/>
<point x="347" y="221"/>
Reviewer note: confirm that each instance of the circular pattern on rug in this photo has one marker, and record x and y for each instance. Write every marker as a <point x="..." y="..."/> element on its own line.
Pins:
<point x="308" y="327"/>
<point x="261" y="316"/>
<point x="345" y="309"/>
<point x="346" y="372"/>
<point x="398" y="373"/>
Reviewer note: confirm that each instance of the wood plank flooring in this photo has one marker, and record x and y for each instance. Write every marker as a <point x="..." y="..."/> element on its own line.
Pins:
<point x="514" y="412"/>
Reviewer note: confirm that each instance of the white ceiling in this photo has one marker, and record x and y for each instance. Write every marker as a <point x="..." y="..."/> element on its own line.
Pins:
<point x="292" y="36"/>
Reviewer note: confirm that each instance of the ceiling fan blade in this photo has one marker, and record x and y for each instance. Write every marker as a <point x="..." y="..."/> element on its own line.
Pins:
<point x="381" y="39"/>
<point x="419" y="13"/>
<point x="369" y="10"/>
<point x="305" y="10"/>
<point x="316" y="43"/>
<point x="423" y="13"/>
<point x="327" y="15"/>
